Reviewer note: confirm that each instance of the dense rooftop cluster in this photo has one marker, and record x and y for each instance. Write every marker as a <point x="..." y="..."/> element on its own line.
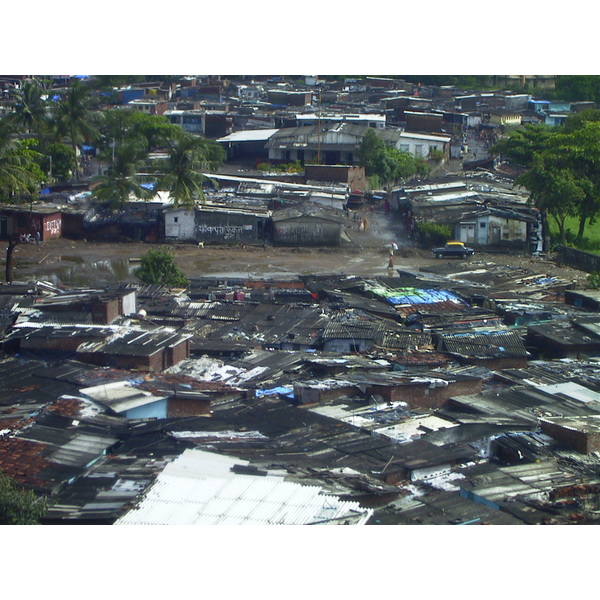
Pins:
<point x="451" y="395"/>
<point x="463" y="393"/>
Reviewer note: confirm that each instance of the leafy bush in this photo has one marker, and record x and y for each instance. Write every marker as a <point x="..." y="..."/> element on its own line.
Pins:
<point x="374" y="182"/>
<point x="436" y="154"/>
<point x="593" y="281"/>
<point x="19" y="507"/>
<point x="389" y="164"/>
<point x="64" y="161"/>
<point x="158" y="268"/>
<point x="295" y="167"/>
<point x="433" y="233"/>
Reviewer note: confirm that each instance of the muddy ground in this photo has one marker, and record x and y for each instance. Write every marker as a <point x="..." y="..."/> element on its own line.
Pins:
<point x="364" y="253"/>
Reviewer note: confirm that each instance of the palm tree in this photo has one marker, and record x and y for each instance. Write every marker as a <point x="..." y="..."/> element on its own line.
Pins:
<point x="30" y="108"/>
<point x="75" y="115"/>
<point x="16" y="177"/>
<point x="121" y="182"/>
<point x="188" y="157"/>
<point x="16" y="165"/>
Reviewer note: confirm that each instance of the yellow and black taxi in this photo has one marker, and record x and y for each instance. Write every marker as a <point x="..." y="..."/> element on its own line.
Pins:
<point x="453" y="250"/>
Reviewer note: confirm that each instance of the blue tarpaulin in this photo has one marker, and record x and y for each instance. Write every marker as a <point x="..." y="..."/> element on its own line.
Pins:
<point x="424" y="297"/>
<point x="284" y="391"/>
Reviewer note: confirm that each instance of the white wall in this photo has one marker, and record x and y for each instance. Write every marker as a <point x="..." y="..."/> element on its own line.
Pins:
<point x="129" y="303"/>
<point x="419" y="147"/>
<point x="180" y="225"/>
<point x="472" y="232"/>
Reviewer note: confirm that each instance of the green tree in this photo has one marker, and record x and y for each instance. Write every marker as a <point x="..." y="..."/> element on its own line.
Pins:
<point x="188" y="157"/>
<point x="524" y="143"/>
<point x="553" y="190"/>
<point x="19" y="507"/>
<point x="563" y="174"/>
<point x="59" y="161"/>
<point x="123" y="125"/>
<point x="433" y="233"/>
<point x="403" y="164"/>
<point x="579" y="151"/>
<point x="30" y="109"/>
<point x="121" y="181"/>
<point x="76" y="117"/>
<point x="20" y="173"/>
<point x="579" y="119"/>
<point x="158" y="268"/>
<point x="578" y="87"/>
<point x="390" y="165"/>
<point x="370" y="152"/>
<point x="155" y="130"/>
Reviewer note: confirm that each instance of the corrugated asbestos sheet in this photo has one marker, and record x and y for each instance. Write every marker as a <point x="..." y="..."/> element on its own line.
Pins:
<point x="200" y="488"/>
<point x="355" y="329"/>
<point x="24" y="382"/>
<point x="526" y="404"/>
<point x="486" y="344"/>
<point x="135" y="343"/>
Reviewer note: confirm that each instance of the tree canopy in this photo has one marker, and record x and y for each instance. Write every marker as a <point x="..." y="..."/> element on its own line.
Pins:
<point x="181" y="172"/>
<point x="563" y="168"/>
<point x="389" y="165"/>
<point x="20" y="172"/>
<point x="19" y="507"/>
<point x="75" y="115"/>
<point x="121" y="181"/>
<point x="158" y="268"/>
<point x="578" y="87"/>
<point x="30" y="108"/>
<point x="126" y="125"/>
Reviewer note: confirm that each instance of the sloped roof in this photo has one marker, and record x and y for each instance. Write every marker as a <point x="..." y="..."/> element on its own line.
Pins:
<point x="202" y="488"/>
<point x="249" y="135"/>
<point x="136" y="343"/>
<point x="120" y="396"/>
<point x="355" y="329"/>
<point x="526" y="404"/>
<point x="28" y="381"/>
<point x="50" y="448"/>
<point x="309" y="210"/>
<point x="492" y="344"/>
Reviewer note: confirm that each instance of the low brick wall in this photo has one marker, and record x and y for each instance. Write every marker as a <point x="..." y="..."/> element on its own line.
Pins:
<point x="579" y="440"/>
<point x="578" y="259"/>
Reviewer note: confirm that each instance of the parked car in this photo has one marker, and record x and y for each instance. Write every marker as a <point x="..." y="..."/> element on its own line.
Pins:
<point x="453" y="250"/>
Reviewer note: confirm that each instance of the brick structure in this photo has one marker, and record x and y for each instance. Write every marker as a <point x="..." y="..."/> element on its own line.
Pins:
<point x="580" y="433"/>
<point x="425" y="394"/>
<point x="353" y="176"/>
<point x="145" y="351"/>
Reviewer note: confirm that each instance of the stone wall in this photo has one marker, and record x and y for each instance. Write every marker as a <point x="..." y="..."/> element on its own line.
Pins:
<point x="578" y="259"/>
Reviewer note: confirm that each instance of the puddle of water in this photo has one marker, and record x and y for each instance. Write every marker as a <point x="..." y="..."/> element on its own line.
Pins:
<point x="85" y="274"/>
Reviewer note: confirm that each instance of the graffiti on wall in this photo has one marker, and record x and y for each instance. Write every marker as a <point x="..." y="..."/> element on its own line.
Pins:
<point x="225" y="232"/>
<point x="297" y="232"/>
<point x="52" y="227"/>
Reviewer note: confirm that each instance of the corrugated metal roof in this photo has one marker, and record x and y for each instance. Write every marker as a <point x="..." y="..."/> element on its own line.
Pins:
<point x="120" y="395"/>
<point x="355" y="329"/>
<point x="485" y="344"/>
<point x="249" y="135"/>
<point x="199" y="488"/>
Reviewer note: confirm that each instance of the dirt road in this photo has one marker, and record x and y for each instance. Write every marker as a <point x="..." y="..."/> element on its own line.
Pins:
<point x="81" y="263"/>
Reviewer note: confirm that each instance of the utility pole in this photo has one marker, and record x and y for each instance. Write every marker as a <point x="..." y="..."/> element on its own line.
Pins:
<point x="319" y="131"/>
